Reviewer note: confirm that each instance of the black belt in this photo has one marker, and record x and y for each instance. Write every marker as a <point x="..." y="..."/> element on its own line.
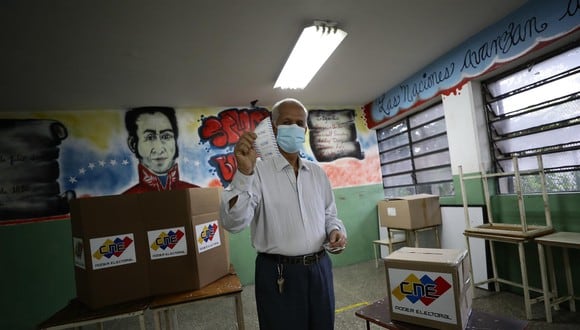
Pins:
<point x="307" y="259"/>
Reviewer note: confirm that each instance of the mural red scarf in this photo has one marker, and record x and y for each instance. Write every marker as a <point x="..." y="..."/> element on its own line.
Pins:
<point x="149" y="181"/>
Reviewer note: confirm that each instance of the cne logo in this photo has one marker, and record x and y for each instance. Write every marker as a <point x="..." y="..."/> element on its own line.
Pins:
<point x="167" y="240"/>
<point x="207" y="233"/>
<point x="424" y="289"/>
<point x="111" y="248"/>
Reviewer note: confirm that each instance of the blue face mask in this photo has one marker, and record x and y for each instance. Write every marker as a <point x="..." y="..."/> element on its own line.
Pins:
<point x="290" y="137"/>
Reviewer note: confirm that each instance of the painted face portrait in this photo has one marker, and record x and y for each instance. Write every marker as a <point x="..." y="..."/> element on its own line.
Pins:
<point x="156" y="144"/>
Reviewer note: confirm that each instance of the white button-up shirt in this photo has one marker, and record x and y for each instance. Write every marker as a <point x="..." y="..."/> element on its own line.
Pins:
<point x="288" y="214"/>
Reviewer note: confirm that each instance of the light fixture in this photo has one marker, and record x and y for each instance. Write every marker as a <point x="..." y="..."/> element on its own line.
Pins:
<point x="316" y="43"/>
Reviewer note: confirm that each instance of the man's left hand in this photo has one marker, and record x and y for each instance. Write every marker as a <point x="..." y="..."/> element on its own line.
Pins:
<point x="337" y="242"/>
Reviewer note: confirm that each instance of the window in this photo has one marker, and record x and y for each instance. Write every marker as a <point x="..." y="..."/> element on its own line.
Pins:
<point x="535" y="110"/>
<point x="414" y="155"/>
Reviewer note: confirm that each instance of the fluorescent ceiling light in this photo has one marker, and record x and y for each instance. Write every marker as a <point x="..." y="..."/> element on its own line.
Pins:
<point x="315" y="45"/>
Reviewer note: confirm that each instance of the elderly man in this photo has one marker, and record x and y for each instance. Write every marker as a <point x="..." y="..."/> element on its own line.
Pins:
<point x="289" y="205"/>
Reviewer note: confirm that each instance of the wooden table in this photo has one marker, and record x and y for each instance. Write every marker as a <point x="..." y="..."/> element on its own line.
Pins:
<point x="228" y="285"/>
<point x="77" y="314"/>
<point x="379" y="313"/>
<point x="564" y="240"/>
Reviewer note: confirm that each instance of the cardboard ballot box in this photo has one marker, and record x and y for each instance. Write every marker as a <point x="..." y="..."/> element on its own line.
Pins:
<point x="410" y="212"/>
<point x="430" y="287"/>
<point x="128" y="247"/>
<point x="187" y="247"/>
<point x="110" y="249"/>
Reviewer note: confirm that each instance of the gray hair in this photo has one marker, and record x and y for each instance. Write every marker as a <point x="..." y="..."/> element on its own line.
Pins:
<point x="276" y="111"/>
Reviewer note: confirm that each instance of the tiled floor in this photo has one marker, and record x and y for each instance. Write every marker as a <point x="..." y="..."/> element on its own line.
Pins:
<point x="355" y="286"/>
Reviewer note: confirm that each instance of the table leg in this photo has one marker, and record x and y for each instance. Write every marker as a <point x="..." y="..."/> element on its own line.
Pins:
<point x="525" y="285"/>
<point x="368" y="325"/>
<point x="545" y="285"/>
<point x="391" y="236"/>
<point x="437" y="237"/>
<point x="408" y="237"/>
<point x="569" y="281"/>
<point x="493" y="265"/>
<point x="240" y="311"/>
<point x="552" y="275"/>
<point x="375" y="252"/>
<point x="470" y="259"/>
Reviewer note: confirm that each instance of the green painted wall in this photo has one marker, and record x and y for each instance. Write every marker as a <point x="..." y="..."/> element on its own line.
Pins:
<point x="37" y="274"/>
<point x="565" y="217"/>
<point x="357" y="207"/>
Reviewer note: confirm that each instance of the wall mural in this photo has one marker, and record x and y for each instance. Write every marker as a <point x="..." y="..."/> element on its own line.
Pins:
<point x="47" y="158"/>
<point x="29" y="167"/>
<point x="533" y="26"/>
<point x="222" y="132"/>
<point x="152" y="138"/>
<point x="333" y="135"/>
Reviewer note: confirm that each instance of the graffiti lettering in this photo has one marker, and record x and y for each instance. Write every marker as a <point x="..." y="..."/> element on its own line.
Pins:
<point x="226" y="128"/>
<point x="512" y="36"/>
<point x="571" y="9"/>
<point x="410" y="93"/>
<point x="225" y="166"/>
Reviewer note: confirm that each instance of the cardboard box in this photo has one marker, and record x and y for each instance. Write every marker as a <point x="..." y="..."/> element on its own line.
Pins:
<point x="160" y="243"/>
<point x="430" y="287"/>
<point x="110" y="249"/>
<point x="187" y="247"/>
<point x="410" y="212"/>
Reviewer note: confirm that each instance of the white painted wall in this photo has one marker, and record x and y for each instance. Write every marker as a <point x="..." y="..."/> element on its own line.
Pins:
<point x="467" y="129"/>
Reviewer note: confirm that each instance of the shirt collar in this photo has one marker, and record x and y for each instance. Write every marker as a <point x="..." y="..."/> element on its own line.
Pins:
<point x="280" y="163"/>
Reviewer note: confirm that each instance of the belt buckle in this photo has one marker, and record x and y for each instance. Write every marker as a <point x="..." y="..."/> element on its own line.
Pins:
<point x="307" y="260"/>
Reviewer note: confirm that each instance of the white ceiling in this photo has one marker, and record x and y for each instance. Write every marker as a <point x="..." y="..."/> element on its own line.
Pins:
<point x="67" y="54"/>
